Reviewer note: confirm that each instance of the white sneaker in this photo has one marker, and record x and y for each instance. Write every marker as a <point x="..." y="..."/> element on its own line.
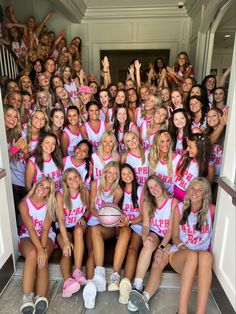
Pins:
<point x="131" y="307"/>
<point x="114" y="282"/>
<point x="89" y="294"/>
<point x="125" y="288"/>
<point x="41" y="305"/>
<point x="27" y="306"/>
<point x="99" y="278"/>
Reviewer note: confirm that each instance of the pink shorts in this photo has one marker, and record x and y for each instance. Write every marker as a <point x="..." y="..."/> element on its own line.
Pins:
<point x="179" y="194"/>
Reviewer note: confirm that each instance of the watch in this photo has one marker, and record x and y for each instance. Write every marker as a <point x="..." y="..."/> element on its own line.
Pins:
<point x="130" y="223"/>
<point x="161" y="247"/>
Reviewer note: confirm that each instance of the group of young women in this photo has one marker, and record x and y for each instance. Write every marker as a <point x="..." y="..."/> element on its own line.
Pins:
<point x="154" y="149"/>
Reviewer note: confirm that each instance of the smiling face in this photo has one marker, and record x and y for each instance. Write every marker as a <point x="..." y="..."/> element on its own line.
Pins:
<point x="195" y="91"/>
<point x="127" y="175"/>
<point x="111" y="175"/>
<point x="11" y="118"/>
<point x="48" y="144"/>
<point x="196" y="192"/>
<point x="181" y="60"/>
<point x="210" y="83"/>
<point x="38" y="120"/>
<point x="26" y="101"/>
<point x="164" y="143"/>
<point x="192" y="149"/>
<point x="131" y="141"/>
<point x="121" y="115"/>
<point x="132" y="96"/>
<point x="104" y="98"/>
<point x="165" y="94"/>
<point x="42" y="99"/>
<point x="93" y="112"/>
<point x="73" y="117"/>
<point x="179" y="120"/>
<point x="160" y="116"/>
<point x="81" y="152"/>
<point x="73" y="180"/>
<point x="176" y="99"/>
<point x="38" y="67"/>
<point x="107" y="144"/>
<point x="150" y="103"/>
<point x="120" y="97"/>
<point x="85" y="97"/>
<point x="219" y="95"/>
<point x="62" y="93"/>
<point x="144" y="93"/>
<point x="43" y="189"/>
<point x="66" y="74"/>
<point x="195" y="105"/>
<point x="154" y="188"/>
<point x="58" y="119"/>
<point x="213" y="118"/>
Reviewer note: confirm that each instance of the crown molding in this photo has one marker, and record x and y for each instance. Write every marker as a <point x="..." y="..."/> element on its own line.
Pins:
<point x="74" y="10"/>
<point x="98" y="13"/>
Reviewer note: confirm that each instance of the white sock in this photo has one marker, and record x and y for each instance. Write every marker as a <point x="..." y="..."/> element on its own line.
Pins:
<point x="146" y="295"/>
<point x="138" y="284"/>
<point x="99" y="270"/>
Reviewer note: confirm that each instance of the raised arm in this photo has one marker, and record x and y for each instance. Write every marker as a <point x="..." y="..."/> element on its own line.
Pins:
<point x="43" y="22"/>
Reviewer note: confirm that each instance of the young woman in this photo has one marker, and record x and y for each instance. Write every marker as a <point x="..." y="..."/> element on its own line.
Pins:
<point x="209" y="83"/>
<point x="145" y="113"/>
<point x="163" y="162"/>
<point x="198" y="113"/>
<point x="219" y="99"/>
<point x="36" y="244"/>
<point x="103" y="191"/>
<point x="191" y="235"/>
<point x="136" y="157"/>
<point x="72" y="212"/>
<point x="156" y="234"/>
<point x="179" y="129"/>
<point x="107" y="151"/>
<point x="81" y="161"/>
<point x="177" y="98"/>
<point x="195" y="162"/>
<point x="130" y="204"/>
<point x="46" y="162"/>
<point x="122" y="124"/>
<point x="71" y="85"/>
<point x="148" y="131"/>
<point x="71" y="135"/>
<point x="94" y="128"/>
<point x="43" y="101"/>
<point x="106" y="112"/>
<point x="56" y="123"/>
<point x="25" y="110"/>
<point x="63" y="98"/>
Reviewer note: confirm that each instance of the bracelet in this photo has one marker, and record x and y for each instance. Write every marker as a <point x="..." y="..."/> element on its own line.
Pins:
<point x="84" y="218"/>
<point x="130" y="224"/>
<point x="104" y="71"/>
<point x="180" y="244"/>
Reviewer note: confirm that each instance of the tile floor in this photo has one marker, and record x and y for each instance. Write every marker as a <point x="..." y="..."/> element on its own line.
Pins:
<point x="164" y="302"/>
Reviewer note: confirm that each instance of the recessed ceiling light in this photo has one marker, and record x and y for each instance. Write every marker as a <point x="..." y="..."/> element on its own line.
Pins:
<point x="227" y="35"/>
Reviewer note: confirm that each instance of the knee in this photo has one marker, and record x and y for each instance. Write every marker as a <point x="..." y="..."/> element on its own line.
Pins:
<point x="95" y="232"/>
<point x="205" y="258"/>
<point x="192" y="258"/>
<point x="78" y="234"/>
<point x="133" y="250"/>
<point x="32" y="255"/>
<point x="125" y="233"/>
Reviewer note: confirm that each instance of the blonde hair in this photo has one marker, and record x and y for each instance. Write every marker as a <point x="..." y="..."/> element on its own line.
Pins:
<point x="114" y="152"/>
<point x="49" y="198"/>
<point x="66" y="190"/>
<point x="163" y="126"/>
<point x="142" y="154"/>
<point x="102" y="185"/>
<point x="154" y="156"/>
<point x="206" y="202"/>
<point x="157" y="103"/>
<point x="49" y="106"/>
<point x="15" y="133"/>
<point x="29" y="128"/>
<point x="148" y="199"/>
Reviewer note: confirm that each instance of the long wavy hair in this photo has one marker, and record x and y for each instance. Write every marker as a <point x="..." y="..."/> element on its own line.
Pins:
<point x="44" y="129"/>
<point x="142" y="154"/>
<point x="66" y="190"/>
<point x="206" y="202"/>
<point x="155" y="153"/>
<point x="102" y="185"/>
<point x="203" y="156"/>
<point x="49" y="198"/>
<point x="116" y="124"/>
<point x="157" y="103"/>
<point x="114" y="153"/>
<point x="134" y="195"/>
<point x="187" y="63"/>
<point x="15" y="133"/>
<point x="163" y="126"/>
<point x="56" y="154"/>
<point x="221" y="138"/>
<point x="149" y="201"/>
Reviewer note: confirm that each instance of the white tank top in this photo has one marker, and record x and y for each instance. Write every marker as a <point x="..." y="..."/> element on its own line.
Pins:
<point x="100" y="200"/>
<point x="38" y="215"/>
<point x="95" y="136"/>
<point x="72" y="90"/>
<point x="189" y="174"/>
<point x="159" y="223"/>
<point x="98" y="165"/>
<point x="193" y="239"/>
<point x="141" y="170"/>
<point x="50" y="170"/>
<point x="120" y="136"/>
<point x="73" y="140"/>
<point x="77" y="210"/>
<point x="19" y="49"/>
<point x="162" y="172"/>
<point x="129" y="210"/>
<point x="68" y="163"/>
<point x="106" y="115"/>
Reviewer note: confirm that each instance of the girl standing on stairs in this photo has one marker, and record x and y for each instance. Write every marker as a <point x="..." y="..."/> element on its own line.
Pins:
<point x="191" y="235"/>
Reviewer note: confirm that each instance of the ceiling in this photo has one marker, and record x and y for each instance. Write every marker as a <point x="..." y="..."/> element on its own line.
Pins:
<point x="91" y="4"/>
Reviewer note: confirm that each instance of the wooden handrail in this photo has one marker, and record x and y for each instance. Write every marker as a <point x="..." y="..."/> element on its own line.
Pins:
<point x="229" y="188"/>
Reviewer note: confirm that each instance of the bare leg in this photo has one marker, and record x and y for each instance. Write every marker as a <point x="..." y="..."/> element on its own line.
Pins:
<point x="156" y="273"/>
<point x="79" y="232"/>
<point x="132" y="255"/>
<point x="65" y="262"/>
<point x="145" y="256"/>
<point x="42" y="274"/>
<point x="90" y="260"/>
<point x="99" y="234"/>
<point x="185" y="262"/>
<point x="204" y="280"/>
<point x="121" y="248"/>
<point x="30" y="253"/>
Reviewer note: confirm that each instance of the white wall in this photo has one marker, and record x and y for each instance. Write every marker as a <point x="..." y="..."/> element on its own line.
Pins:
<point x="221" y="59"/>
